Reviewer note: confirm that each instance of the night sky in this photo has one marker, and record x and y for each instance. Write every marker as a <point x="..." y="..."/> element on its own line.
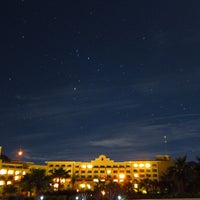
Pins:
<point x="84" y="78"/>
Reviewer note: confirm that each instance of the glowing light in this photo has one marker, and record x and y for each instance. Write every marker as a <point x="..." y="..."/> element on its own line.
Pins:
<point x="119" y="197"/>
<point x="108" y="171"/>
<point x="136" y="175"/>
<point x="89" y="166"/>
<point x="147" y="165"/>
<point x="121" y="176"/>
<point x="103" y="192"/>
<point x="82" y="185"/>
<point x="10" y="172"/>
<point x="9" y="182"/>
<point x="20" y="152"/>
<point x="83" y="166"/>
<point x="2" y="182"/>
<point x="96" y="180"/>
<point x="135" y="165"/>
<point x="17" y="178"/>
<point x="16" y="172"/>
<point x="3" y="171"/>
<point x="135" y="185"/>
<point x="141" y="165"/>
<point x="89" y="186"/>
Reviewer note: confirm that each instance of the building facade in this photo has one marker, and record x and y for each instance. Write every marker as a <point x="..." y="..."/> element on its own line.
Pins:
<point x="85" y="175"/>
<point x="103" y="169"/>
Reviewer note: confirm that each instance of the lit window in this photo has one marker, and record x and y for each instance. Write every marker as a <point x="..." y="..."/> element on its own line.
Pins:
<point x="10" y="172"/>
<point x="2" y="182"/>
<point x="82" y="185"/>
<point x="147" y="165"/>
<point x="135" y="165"/>
<point x="9" y="182"/>
<point x="17" y="178"/>
<point x="3" y="171"/>
<point x="141" y="165"/>
<point x="17" y="172"/>
<point x="89" y="166"/>
<point x="121" y="176"/>
<point x="83" y="166"/>
<point x="136" y="175"/>
<point x="108" y="171"/>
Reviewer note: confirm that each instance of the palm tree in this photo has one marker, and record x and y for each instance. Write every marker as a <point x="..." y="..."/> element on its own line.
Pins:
<point x="36" y="181"/>
<point x="178" y="173"/>
<point x="73" y="181"/>
<point x="58" y="175"/>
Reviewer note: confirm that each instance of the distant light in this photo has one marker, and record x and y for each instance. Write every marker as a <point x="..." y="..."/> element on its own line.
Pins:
<point x="41" y="197"/>
<point x="119" y="197"/>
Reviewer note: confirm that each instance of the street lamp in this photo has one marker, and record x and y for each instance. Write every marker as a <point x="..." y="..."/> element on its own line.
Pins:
<point x="20" y="152"/>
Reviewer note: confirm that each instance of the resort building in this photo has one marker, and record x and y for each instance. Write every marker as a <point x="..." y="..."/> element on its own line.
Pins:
<point x="103" y="169"/>
<point x="85" y="175"/>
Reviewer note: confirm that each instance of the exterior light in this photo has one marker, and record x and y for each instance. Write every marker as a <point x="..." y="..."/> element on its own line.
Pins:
<point x="41" y="197"/>
<point x="103" y="192"/>
<point x="119" y="197"/>
<point x="20" y="153"/>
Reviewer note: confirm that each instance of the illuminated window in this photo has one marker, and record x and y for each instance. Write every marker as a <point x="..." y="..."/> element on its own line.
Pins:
<point x="136" y="175"/>
<point x="9" y="182"/>
<point x="89" y="166"/>
<point x="147" y="165"/>
<point x="17" y="178"/>
<point x="3" y="171"/>
<point x="2" y="182"/>
<point x="10" y="172"/>
<point x="141" y="165"/>
<point x="121" y="176"/>
<point x="83" y="166"/>
<point x="108" y="171"/>
<point x="135" y="165"/>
